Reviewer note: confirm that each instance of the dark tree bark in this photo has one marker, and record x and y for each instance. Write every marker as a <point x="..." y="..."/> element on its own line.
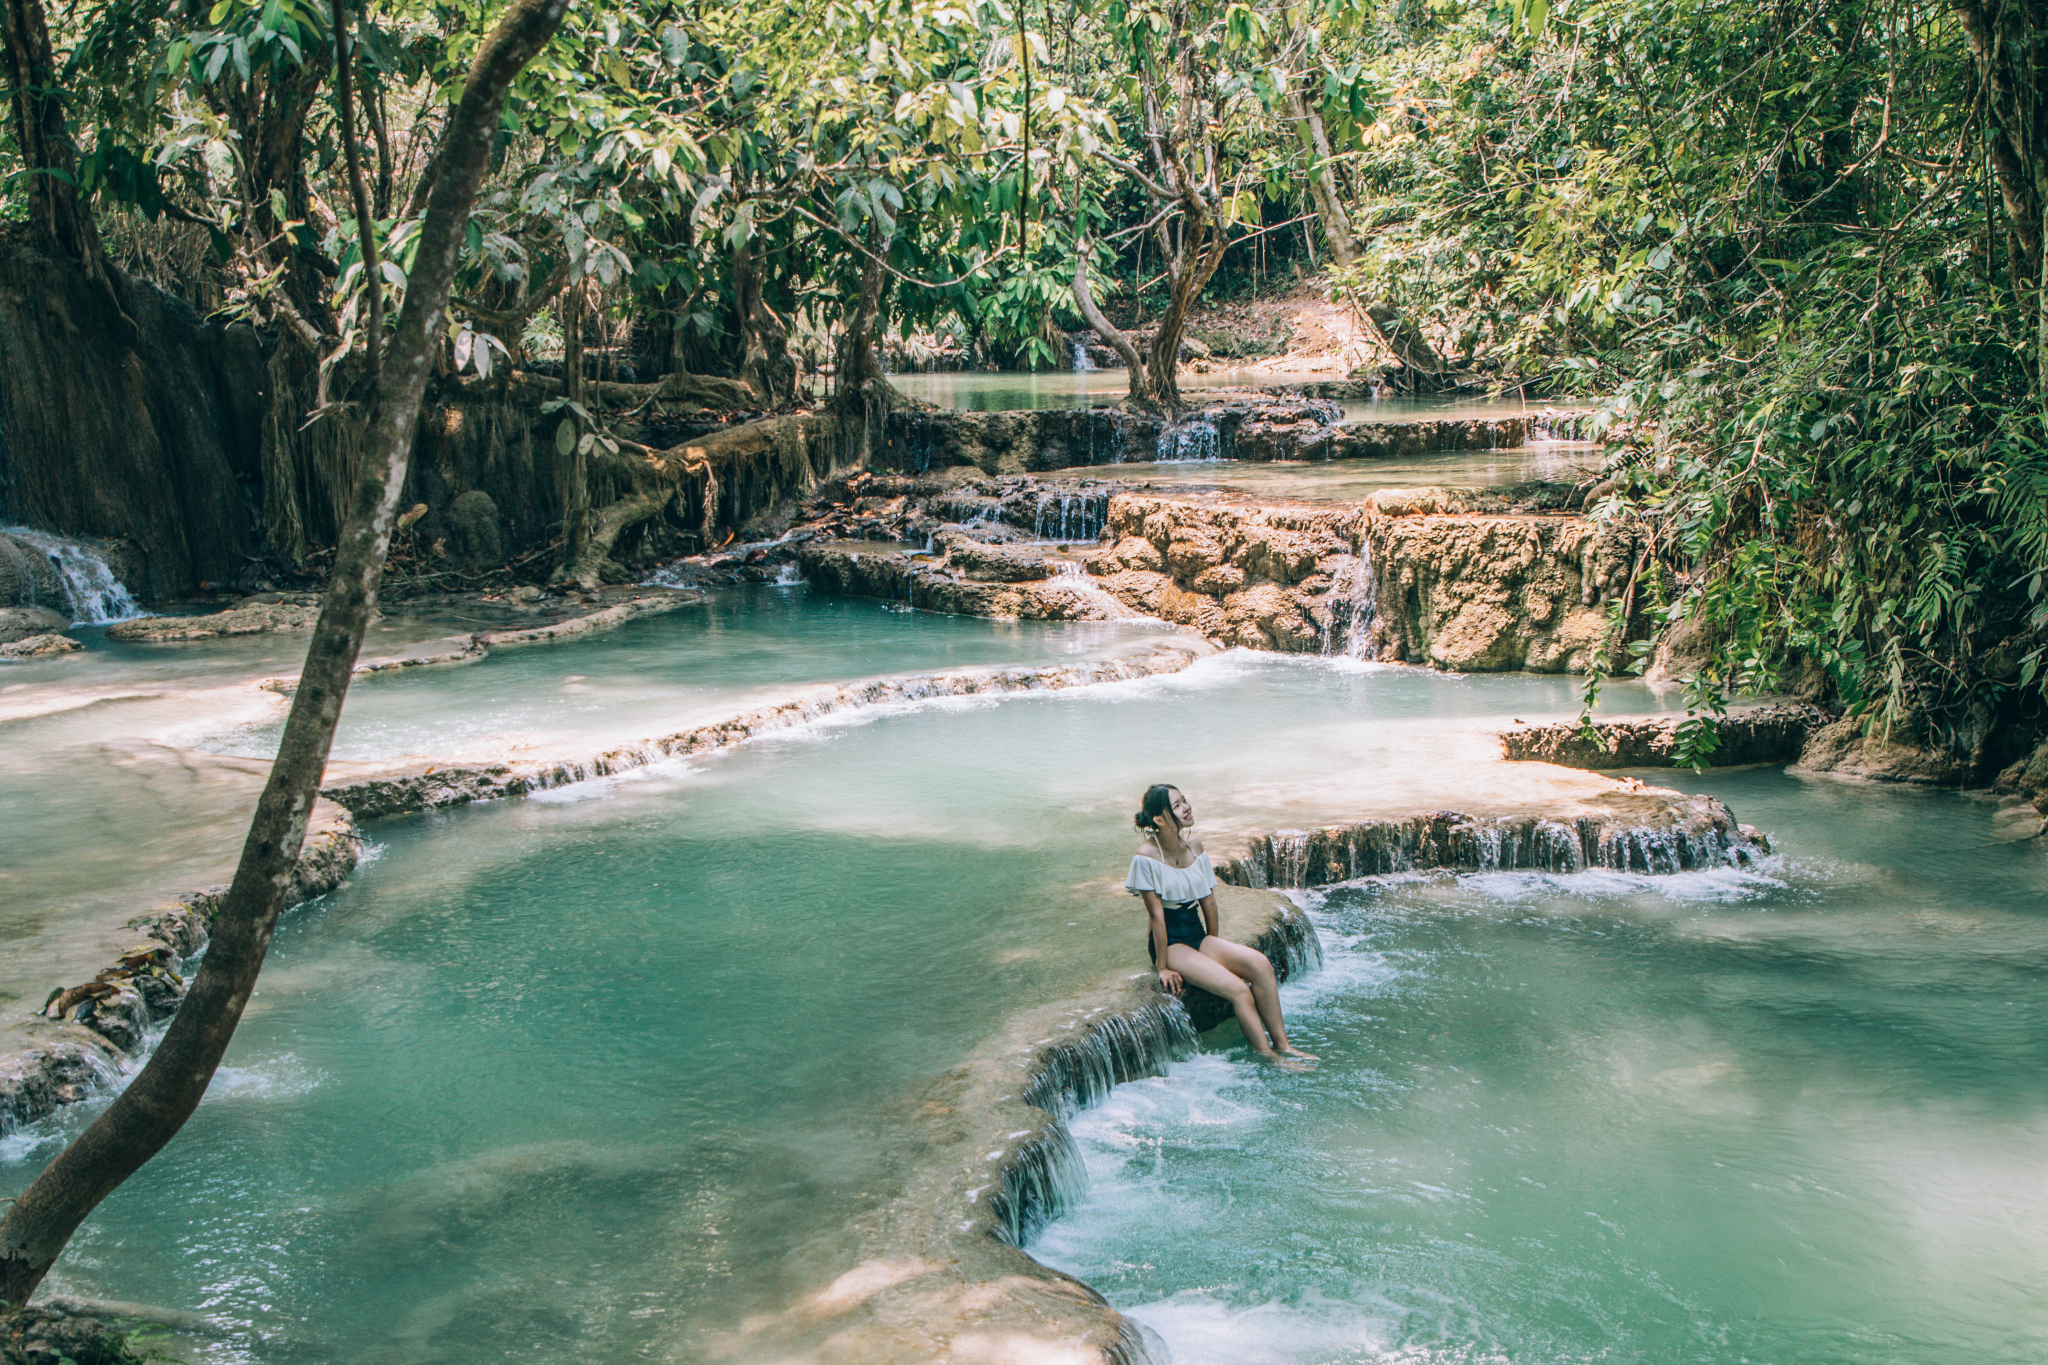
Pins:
<point x="62" y="220"/>
<point x="764" y="361"/>
<point x="269" y="112"/>
<point x="1119" y="341"/>
<point x="2009" y="42"/>
<point x="572" y="466"/>
<point x="862" y="387"/>
<point x="151" y="1110"/>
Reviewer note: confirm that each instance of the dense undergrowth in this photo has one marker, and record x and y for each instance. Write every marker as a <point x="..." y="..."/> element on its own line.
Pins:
<point x="1782" y="240"/>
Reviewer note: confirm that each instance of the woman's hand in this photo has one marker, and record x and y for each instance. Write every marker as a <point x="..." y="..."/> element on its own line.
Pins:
<point x="1169" y="980"/>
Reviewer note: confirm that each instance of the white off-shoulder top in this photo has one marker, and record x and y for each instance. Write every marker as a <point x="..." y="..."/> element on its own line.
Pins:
<point x="1173" y="885"/>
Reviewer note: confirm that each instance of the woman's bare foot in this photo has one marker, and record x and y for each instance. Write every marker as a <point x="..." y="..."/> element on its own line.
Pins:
<point x="1292" y="1051"/>
<point x="1286" y="1063"/>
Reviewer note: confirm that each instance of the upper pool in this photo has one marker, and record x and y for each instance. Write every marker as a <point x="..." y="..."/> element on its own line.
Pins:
<point x="1017" y="390"/>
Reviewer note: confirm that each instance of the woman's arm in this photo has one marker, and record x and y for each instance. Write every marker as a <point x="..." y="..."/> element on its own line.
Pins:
<point x="1155" y="912"/>
<point x="1210" y="916"/>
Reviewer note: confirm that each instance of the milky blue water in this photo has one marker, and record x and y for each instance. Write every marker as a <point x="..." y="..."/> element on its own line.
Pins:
<point x="601" y="1075"/>
<point x="1723" y="1117"/>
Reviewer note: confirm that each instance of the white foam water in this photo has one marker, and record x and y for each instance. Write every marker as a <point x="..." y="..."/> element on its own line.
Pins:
<point x="1714" y="1116"/>
<point x="97" y="597"/>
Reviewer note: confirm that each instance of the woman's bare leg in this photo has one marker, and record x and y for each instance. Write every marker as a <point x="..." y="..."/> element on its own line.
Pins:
<point x="1256" y="971"/>
<point x="1212" y="976"/>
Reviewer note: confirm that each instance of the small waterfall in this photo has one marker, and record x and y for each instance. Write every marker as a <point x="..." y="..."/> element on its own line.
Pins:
<point x="1082" y="364"/>
<point x="1045" y="1176"/>
<point x="97" y="597"/>
<point x="1192" y="442"/>
<point x="1070" y="516"/>
<point x="1353" y="607"/>
<point x="968" y="509"/>
<point x="1702" y="833"/>
<point x="1118" y="1046"/>
<point x="1288" y="857"/>
<point x="1073" y="576"/>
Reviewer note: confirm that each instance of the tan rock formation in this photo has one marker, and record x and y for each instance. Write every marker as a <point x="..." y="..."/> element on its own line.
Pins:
<point x="1489" y="593"/>
<point x="938" y="1274"/>
<point x="1858" y="747"/>
<point x="261" y="615"/>
<point x="39" y="646"/>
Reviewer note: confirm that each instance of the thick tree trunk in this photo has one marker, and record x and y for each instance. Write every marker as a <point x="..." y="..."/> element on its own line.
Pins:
<point x="61" y="219"/>
<point x="2010" y="45"/>
<point x="156" y="1104"/>
<point x="572" y="468"/>
<point x="764" y="340"/>
<point x="862" y="387"/>
<point x="269" y="113"/>
<point x="604" y="528"/>
<point x="1202" y="244"/>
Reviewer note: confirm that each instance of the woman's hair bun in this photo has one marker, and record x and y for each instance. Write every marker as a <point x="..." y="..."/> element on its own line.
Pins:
<point x="1158" y="799"/>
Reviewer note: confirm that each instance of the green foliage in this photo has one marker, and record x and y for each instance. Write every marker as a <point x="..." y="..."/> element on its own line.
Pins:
<point x="1773" y="238"/>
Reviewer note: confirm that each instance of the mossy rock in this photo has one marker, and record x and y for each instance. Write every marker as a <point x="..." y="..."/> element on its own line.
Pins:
<point x="474" y="532"/>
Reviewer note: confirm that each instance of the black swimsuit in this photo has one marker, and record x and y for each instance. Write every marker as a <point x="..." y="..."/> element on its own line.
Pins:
<point x="1183" y="925"/>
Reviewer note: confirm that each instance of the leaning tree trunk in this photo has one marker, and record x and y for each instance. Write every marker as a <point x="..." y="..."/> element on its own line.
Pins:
<point x="1142" y="394"/>
<point x="156" y="1104"/>
<point x="1202" y="244"/>
<point x="1322" y="183"/>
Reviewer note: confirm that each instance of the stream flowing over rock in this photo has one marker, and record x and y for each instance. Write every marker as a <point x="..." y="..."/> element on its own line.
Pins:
<point x="1241" y="425"/>
<point x="1655" y="832"/>
<point x="1410" y="575"/>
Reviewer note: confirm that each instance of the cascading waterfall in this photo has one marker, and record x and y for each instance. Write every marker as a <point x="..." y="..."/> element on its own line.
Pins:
<point x="1071" y="516"/>
<point x="1082" y="364"/>
<point x="1353" y="607"/>
<point x="1074" y="577"/>
<point x="1192" y="442"/>
<point x="1706" y="836"/>
<point x="1046" y="1177"/>
<point x="97" y="597"/>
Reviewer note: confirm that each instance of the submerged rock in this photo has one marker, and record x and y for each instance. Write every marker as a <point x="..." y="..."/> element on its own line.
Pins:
<point x="1860" y="747"/>
<point x="88" y="1026"/>
<point x="940" y="1273"/>
<point x="373" y="792"/>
